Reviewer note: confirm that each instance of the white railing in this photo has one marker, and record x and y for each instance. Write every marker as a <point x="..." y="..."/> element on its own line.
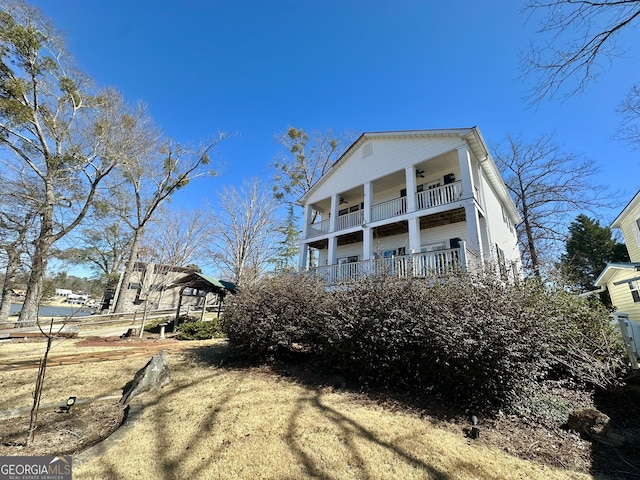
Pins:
<point x="353" y="219"/>
<point x="318" y="228"/>
<point x="389" y="209"/>
<point x="392" y="208"/>
<point x="439" y="195"/>
<point x="424" y="264"/>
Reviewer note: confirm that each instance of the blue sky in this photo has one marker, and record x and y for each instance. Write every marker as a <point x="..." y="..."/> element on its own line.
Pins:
<point x="254" y="68"/>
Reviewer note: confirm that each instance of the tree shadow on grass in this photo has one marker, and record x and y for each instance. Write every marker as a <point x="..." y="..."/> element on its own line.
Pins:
<point x="352" y="433"/>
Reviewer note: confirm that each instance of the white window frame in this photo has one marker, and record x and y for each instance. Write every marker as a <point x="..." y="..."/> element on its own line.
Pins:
<point x="433" y="247"/>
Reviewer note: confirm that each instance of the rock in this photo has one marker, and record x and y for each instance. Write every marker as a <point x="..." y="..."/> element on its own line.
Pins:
<point x="155" y="374"/>
<point x="595" y="425"/>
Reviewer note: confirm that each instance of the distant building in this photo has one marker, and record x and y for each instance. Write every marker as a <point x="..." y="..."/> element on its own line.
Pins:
<point x="148" y="286"/>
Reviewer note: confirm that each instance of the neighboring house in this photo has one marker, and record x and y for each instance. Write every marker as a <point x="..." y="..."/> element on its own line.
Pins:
<point x="148" y="286"/>
<point x="623" y="279"/>
<point x="410" y="203"/>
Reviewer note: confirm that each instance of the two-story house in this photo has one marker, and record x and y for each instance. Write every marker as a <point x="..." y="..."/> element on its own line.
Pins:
<point x="623" y="279"/>
<point x="411" y="203"/>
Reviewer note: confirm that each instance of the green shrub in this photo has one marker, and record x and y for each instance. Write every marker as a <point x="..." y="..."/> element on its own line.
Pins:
<point x="200" y="330"/>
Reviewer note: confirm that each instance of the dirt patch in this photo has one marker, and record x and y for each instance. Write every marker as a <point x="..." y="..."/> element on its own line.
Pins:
<point x="61" y="433"/>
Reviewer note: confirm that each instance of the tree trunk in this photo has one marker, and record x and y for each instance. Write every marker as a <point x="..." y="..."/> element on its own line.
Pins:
<point x="13" y="263"/>
<point x="33" y="296"/>
<point x="128" y="270"/>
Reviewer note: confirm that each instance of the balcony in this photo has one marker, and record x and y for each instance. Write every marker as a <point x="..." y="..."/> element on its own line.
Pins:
<point x="424" y="200"/>
<point x="426" y="264"/>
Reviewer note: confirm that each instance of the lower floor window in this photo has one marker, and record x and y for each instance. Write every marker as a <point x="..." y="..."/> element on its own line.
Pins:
<point x="633" y="286"/>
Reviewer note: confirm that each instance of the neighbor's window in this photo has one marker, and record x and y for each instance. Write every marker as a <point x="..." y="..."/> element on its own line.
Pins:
<point x="633" y="286"/>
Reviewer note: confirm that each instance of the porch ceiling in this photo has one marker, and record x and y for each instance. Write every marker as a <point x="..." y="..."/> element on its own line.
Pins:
<point x="442" y="218"/>
<point x="395" y="228"/>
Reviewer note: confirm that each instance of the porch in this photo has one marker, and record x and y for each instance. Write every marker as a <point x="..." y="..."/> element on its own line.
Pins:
<point x="423" y="201"/>
<point x="423" y="264"/>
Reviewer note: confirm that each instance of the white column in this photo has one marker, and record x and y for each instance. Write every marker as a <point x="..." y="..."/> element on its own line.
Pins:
<point x="414" y="235"/>
<point x="306" y="218"/>
<point x="333" y="248"/>
<point x="464" y="159"/>
<point x="304" y="255"/>
<point x="367" y="243"/>
<point x="368" y="201"/>
<point x="473" y="231"/>
<point x="335" y="206"/>
<point x="410" y="176"/>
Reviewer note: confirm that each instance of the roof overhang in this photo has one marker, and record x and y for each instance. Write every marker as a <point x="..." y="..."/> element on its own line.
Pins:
<point x="635" y="201"/>
<point x="612" y="269"/>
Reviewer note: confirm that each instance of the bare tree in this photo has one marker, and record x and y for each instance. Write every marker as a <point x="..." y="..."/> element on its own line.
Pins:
<point x="102" y="245"/>
<point x="177" y="237"/>
<point x="548" y="186"/>
<point x="576" y="35"/>
<point x="242" y="231"/>
<point x="629" y="133"/>
<point x="147" y="181"/>
<point x="307" y="159"/>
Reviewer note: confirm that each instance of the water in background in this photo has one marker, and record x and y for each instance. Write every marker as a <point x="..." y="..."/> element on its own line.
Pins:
<point x="51" y="311"/>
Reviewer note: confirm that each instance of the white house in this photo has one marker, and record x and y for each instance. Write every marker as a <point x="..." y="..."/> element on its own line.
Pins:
<point x="410" y="203"/>
<point x="623" y="279"/>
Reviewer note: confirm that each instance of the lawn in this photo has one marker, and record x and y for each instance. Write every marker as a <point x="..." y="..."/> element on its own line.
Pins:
<point x="250" y="423"/>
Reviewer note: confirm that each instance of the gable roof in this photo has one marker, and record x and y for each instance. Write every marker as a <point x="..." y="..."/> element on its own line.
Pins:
<point x="635" y="201"/>
<point x="471" y="136"/>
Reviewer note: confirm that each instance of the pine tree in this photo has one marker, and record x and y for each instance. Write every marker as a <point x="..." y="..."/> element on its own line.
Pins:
<point x="589" y="248"/>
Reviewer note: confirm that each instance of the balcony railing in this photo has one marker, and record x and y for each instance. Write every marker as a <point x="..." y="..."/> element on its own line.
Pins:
<point x="349" y="220"/>
<point x="425" y="264"/>
<point x="318" y="228"/>
<point x="426" y="199"/>
<point x="389" y="209"/>
<point x="434" y="197"/>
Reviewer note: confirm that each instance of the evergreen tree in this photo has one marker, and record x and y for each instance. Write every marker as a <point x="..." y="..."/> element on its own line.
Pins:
<point x="589" y="248"/>
<point x="289" y="246"/>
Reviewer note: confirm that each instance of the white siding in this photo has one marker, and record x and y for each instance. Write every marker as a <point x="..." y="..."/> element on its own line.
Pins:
<point x="388" y="155"/>
<point x="498" y="226"/>
<point x="444" y="233"/>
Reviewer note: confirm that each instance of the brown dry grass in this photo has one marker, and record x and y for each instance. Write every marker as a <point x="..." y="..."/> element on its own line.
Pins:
<point x="215" y="423"/>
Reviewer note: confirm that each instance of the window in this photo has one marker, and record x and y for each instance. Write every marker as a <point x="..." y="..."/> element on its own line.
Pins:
<point x="351" y="259"/>
<point x="433" y="247"/>
<point x="134" y="286"/>
<point x="633" y="286"/>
